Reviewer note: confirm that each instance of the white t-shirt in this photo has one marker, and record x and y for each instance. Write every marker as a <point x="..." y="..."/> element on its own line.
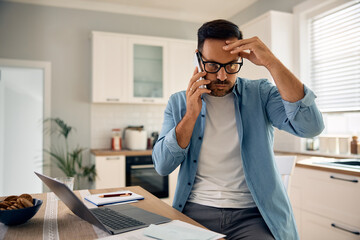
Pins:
<point x="220" y="180"/>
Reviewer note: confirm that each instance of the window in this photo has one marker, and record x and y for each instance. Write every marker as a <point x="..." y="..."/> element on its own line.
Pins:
<point x="334" y="66"/>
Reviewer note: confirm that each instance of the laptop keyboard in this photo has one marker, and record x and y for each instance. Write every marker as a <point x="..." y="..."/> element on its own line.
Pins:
<point x="114" y="219"/>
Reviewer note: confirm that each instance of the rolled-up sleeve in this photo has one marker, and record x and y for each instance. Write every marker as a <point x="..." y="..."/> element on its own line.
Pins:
<point x="291" y="108"/>
<point x="301" y="118"/>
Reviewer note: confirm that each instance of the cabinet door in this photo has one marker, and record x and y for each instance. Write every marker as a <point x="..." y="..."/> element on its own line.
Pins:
<point x="275" y="30"/>
<point x="259" y="27"/>
<point x="318" y="227"/>
<point x="333" y="195"/>
<point x="109" y="68"/>
<point x="148" y="63"/>
<point x="181" y="54"/>
<point x="110" y="172"/>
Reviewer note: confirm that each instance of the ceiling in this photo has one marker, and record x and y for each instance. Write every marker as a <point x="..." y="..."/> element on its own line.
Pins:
<point x="185" y="10"/>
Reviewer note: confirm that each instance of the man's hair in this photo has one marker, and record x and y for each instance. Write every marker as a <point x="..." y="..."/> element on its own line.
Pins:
<point x="217" y="29"/>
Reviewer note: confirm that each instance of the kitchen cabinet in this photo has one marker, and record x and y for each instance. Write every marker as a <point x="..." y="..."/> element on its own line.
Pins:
<point x="110" y="171"/>
<point x="275" y="29"/>
<point x="148" y="69"/>
<point x="139" y="69"/>
<point x="109" y="73"/>
<point x="181" y="55"/>
<point x="325" y="204"/>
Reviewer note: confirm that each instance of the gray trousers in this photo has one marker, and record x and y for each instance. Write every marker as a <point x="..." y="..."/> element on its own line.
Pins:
<point x="235" y="223"/>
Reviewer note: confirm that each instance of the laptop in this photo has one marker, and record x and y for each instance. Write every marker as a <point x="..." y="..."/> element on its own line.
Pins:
<point x="113" y="219"/>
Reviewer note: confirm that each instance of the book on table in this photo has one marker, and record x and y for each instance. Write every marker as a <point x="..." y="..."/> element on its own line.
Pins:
<point x="113" y="197"/>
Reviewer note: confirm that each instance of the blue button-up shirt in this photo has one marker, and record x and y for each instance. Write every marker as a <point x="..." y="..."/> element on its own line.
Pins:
<point x="258" y="107"/>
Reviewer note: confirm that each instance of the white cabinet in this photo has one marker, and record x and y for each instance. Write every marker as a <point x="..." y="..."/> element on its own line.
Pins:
<point x="148" y="69"/>
<point x="109" y="53"/>
<point x="181" y="55"/>
<point x="326" y="204"/>
<point x="139" y="69"/>
<point x="275" y="29"/>
<point x="110" y="172"/>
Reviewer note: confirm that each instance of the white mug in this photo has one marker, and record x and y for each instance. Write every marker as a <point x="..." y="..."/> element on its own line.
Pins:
<point x="323" y="144"/>
<point x="344" y="145"/>
<point x="333" y="145"/>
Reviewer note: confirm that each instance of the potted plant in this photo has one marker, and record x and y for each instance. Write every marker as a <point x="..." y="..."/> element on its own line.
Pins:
<point x="69" y="161"/>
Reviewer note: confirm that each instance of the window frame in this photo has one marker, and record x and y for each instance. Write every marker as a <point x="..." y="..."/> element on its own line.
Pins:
<point x="302" y="15"/>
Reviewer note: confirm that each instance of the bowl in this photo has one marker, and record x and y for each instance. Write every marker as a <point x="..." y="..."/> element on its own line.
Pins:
<point x="19" y="216"/>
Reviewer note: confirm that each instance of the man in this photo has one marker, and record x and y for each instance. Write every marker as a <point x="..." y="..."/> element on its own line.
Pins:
<point x="222" y="137"/>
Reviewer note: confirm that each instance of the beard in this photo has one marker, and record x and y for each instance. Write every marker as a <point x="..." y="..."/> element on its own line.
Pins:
<point x="220" y="88"/>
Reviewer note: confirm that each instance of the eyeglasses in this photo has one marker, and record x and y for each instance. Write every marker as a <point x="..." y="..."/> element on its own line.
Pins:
<point x="214" y="67"/>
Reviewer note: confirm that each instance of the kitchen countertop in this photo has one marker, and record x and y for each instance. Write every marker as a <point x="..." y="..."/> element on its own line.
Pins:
<point x="319" y="154"/>
<point x="125" y="152"/>
<point x="319" y="163"/>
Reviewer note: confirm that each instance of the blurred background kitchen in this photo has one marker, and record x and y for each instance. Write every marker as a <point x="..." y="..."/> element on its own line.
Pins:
<point x="103" y="71"/>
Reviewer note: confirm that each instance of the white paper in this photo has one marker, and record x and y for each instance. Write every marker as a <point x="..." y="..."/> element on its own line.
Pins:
<point x="175" y="224"/>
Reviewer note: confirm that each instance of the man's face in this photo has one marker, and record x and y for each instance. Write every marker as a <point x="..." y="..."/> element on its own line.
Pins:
<point x="221" y="82"/>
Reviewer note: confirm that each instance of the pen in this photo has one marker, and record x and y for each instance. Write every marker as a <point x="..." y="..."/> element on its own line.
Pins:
<point x="116" y="195"/>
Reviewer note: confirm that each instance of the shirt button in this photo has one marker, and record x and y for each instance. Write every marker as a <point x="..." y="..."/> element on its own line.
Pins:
<point x="200" y="138"/>
<point x="194" y="161"/>
<point x="203" y="115"/>
<point x="189" y="183"/>
<point x="180" y="205"/>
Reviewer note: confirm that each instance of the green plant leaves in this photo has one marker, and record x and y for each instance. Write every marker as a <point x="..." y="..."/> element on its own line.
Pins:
<point x="70" y="162"/>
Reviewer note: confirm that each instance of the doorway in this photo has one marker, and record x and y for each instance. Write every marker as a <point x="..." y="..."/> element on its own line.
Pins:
<point x="24" y="104"/>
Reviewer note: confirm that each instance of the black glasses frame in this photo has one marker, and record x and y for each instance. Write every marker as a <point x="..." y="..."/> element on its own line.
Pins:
<point x="221" y="65"/>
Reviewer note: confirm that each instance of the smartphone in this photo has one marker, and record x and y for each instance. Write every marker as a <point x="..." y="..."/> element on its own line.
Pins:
<point x="198" y="65"/>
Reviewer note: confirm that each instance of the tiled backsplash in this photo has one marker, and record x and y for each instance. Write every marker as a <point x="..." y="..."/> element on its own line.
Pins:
<point x="105" y="117"/>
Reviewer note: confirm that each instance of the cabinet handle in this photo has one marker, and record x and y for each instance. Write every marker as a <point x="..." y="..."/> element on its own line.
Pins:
<point x="344" y="179"/>
<point x="344" y="229"/>
<point x="148" y="100"/>
<point x="112" y="99"/>
<point x="113" y="158"/>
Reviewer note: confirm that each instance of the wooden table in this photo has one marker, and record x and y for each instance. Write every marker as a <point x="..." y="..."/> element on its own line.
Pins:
<point x="47" y="224"/>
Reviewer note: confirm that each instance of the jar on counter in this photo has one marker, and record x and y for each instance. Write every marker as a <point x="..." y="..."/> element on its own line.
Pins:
<point x="116" y="139"/>
<point x="312" y="144"/>
<point x="354" y="145"/>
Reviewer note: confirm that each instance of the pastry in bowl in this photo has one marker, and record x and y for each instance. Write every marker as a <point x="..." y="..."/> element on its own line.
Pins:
<point x="16" y="210"/>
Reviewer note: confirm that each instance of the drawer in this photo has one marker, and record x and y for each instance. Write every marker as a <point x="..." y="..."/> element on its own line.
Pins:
<point x="330" y="195"/>
<point x="317" y="227"/>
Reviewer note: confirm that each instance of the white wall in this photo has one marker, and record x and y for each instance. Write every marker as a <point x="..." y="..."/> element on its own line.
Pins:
<point x="21" y="130"/>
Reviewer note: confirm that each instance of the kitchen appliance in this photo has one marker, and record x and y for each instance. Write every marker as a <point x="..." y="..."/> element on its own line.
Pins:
<point x="135" y="138"/>
<point x="140" y="171"/>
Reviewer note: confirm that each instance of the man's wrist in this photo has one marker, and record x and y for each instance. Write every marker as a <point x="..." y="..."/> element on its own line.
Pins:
<point x="190" y="118"/>
<point x="274" y="65"/>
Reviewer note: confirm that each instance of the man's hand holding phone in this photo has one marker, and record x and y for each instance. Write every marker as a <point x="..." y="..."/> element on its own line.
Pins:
<point x="185" y="127"/>
<point x="197" y="63"/>
<point x="194" y="92"/>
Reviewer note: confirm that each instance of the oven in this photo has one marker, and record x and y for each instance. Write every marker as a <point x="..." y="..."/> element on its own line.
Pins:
<point x="140" y="171"/>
